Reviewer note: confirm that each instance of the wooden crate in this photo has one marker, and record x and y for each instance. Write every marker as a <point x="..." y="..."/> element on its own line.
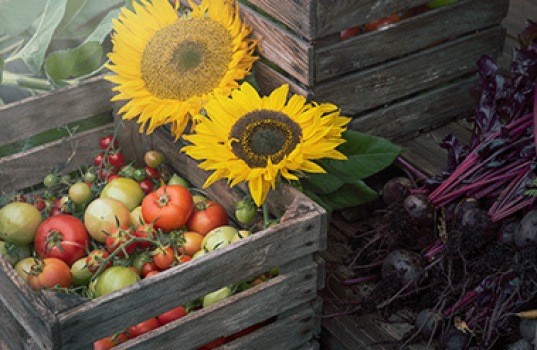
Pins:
<point x="396" y="82"/>
<point x="51" y="320"/>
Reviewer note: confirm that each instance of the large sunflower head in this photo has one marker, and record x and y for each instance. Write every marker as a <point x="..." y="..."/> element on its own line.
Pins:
<point x="167" y="67"/>
<point x="245" y="137"/>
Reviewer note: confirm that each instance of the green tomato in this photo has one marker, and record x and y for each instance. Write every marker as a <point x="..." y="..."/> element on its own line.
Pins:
<point x="50" y="180"/>
<point x="115" y="278"/>
<point x="80" y="193"/>
<point x="23" y="267"/>
<point x="19" y="222"/>
<point x="90" y="177"/>
<point x="80" y="273"/>
<point x="218" y="238"/>
<point x="199" y="253"/>
<point x="127" y="171"/>
<point x="216" y="296"/>
<point x="439" y="3"/>
<point x="13" y="253"/>
<point x="140" y="259"/>
<point x="125" y="190"/>
<point x="139" y="174"/>
<point x="178" y="180"/>
<point x="245" y="211"/>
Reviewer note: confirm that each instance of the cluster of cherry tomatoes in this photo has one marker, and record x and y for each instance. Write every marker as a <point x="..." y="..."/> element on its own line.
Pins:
<point x="115" y="225"/>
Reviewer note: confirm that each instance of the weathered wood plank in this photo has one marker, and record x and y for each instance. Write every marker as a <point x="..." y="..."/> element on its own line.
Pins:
<point x="47" y="111"/>
<point x="268" y="79"/>
<point x="374" y="87"/>
<point x="28" y="168"/>
<point x="416" y="33"/>
<point x="235" y="313"/>
<point x="27" y="308"/>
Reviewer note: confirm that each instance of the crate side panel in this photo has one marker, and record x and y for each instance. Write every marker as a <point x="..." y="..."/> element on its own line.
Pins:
<point x="268" y="79"/>
<point x="407" y="36"/>
<point x="334" y="16"/>
<point x="25" y="306"/>
<point x="28" y="168"/>
<point x="257" y="254"/>
<point x="382" y="84"/>
<point x="406" y="119"/>
<point x="12" y="334"/>
<point x="28" y="117"/>
<point x="235" y="313"/>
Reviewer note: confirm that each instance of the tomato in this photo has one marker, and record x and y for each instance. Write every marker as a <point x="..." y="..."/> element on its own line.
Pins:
<point x="191" y="244"/>
<point x="169" y="207"/>
<point x="116" y="159"/>
<point x="48" y="273"/>
<point x="13" y="252"/>
<point x="183" y="258"/>
<point x="115" y="278"/>
<point x="213" y="344"/>
<point x="207" y="215"/>
<point x="240" y="235"/>
<point x="147" y="186"/>
<point x="104" y="214"/>
<point x="55" y="211"/>
<point x="112" y="178"/>
<point x="152" y="173"/>
<point x="124" y="190"/>
<point x="116" y="240"/>
<point x="146" y="232"/>
<point x="111" y="341"/>
<point x="136" y="216"/>
<point x="80" y="273"/>
<point x="218" y="238"/>
<point x="349" y="32"/>
<point x="19" y="222"/>
<point x="108" y="141"/>
<point x="135" y="270"/>
<point x="24" y="266"/>
<point x="143" y="327"/>
<point x="439" y="3"/>
<point x="139" y="175"/>
<point x="50" y="180"/>
<point x="216" y="296"/>
<point x="164" y="257"/>
<point x="149" y="267"/>
<point x="151" y="273"/>
<point x="17" y="198"/>
<point x="172" y="315"/>
<point x="105" y="174"/>
<point x="140" y="260"/>
<point x="98" y="159"/>
<point x="178" y="180"/>
<point x="62" y="236"/>
<point x="245" y="211"/>
<point x="95" y="259"/>
<point x="153" y="159"/>
<point x="38" y="202"/>
<point x="381" y="22"/>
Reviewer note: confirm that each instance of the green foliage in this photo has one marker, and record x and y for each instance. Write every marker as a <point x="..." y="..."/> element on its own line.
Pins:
<point x="342" y="185"/>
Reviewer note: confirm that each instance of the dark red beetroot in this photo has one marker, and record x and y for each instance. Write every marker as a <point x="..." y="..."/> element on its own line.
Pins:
<point x="403" y="265"/>
<point x="526" y="236"/>
<point x="506" y="232"/>
<point x="463" y="206"/>
<point x="428" y="322"/>
<point x="477" y="220"/>
<point x="396" y="190"/>
<point x="420" y="209"/>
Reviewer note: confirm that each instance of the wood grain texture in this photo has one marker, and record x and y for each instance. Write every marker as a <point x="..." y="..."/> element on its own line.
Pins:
<point x="268" y="79"/>
<point x="407" y="36"/>
<point x="47" y="111"/>
<point x="28" y="168"/>
<point x="374" y="87"/>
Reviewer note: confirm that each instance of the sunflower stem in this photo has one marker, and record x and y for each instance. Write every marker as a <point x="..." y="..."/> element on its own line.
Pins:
<point x="266" y="219"/>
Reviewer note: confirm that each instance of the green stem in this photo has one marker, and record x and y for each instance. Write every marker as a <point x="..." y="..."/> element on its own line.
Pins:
<point x="9" y="78"/>
<point x="266" y="220"/>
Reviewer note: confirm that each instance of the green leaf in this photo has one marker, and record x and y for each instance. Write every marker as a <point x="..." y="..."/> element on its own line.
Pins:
<point x="348" y="195"/>
<point x="17" y="16"/>
<point x="33" y="53"/>
<point x="321" y="183"/>
<point x="74" y="62"/>
<point x="104" y="28"/>
<point x="367" y="155"/>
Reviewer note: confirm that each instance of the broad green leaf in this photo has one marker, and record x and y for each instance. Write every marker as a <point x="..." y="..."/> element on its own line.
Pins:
<point x="321" y="183"/>
<point x="367" y="155"/>
<point x="33" y="53"/>
<point x="16" y="16"/>
<point x="104" y="28"/>
<point x="75" y="62"/>
<point x="348" y="195"/>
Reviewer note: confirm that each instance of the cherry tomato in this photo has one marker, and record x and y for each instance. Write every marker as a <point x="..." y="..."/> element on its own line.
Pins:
<point x="139" y="175"/>
<point x="143" y="327"/>
<point x="18" y="198"/>
<point x="62" y="236"/>
<point x="48" y="273"/>
<point x="168" y="208"/>
<point x="349" y="32"/>
<point x="80" y="193"/>
<point x="111" y="341"/>
<point x="38" y="202"/>
<point x="135" y="270"/>
<point x="116" y="239"/>
<point x="207" y="215"/>
<point x="112" y="177"/>
<point x="172" y="315"/>
<point x="164" y="258"/>
<point x="151" y="273"/>
<point x="95" y="259"/>
<point x="116" y="159"/>
<point x="147" y="186"/>
<point x="98" y="159"/>
<point x="149" y="267"/>
<point x="145" y="231"/>
<point x="50" y="180"/>
<point x="152" y="173"/>
<point x="381" y="22"/>
<point x="90" y="177"/>
<point x="153" y="159"/>
<point x="183" y="258"/>
<point x="104" y="174"/>
<point x="106" y="141"/>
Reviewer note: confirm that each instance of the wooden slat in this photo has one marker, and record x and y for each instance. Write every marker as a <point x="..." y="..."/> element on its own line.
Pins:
<point x="28" y="168"/>
<point x="12" y="334"/>
<point x="377" y="86"/>
<point x="235" y="313"/>
<point x="27" y="308"/>
<point x="416" y="33"/>
<point x="28" y="117"/>
<point x="268" y="79"/>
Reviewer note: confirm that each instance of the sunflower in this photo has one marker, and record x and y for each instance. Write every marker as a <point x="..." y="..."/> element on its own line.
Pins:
<point x="167" y="66"/>
<point x="245" y="137"/>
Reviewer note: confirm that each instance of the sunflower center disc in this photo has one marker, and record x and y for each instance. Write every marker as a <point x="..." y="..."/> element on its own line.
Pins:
<point x="264" y="134"/>
<point x="188" y="58"/>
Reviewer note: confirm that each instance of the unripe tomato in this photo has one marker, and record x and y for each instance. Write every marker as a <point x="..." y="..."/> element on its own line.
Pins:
<point x="80" y="193"/>
<point x="23" y="267"/>
<point x="13" y="253"/>
<point x="103" y="214"/>
<point x="153" y="159"/>
<point x="216" y="296"/>
<point x="19" y="222"/>
<point x="80" y="273"/>
<point x="115" y="278"/>
<point x="218" y="238"/>
<point x="125" y="190"/>
<point x="191" y="244"/>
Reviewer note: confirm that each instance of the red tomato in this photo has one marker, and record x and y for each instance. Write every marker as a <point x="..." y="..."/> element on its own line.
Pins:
<point x="172" y="315"/>
<point x="98" y="159"/>
<point x="169" y="207"/>
<point x="48" y="273"/>
<point x="152" y="173"/>
<point x="62" y="236"/>
<point x="112" y="177"/>
<point x="111" y="341"/>
<point x="151" y="273"/>
<point x="55" y="211"/>
<point x="149" y="267"/>
<point x="147" y="186"/>
<point x="184" y="258"/>
<point x="381" y="23"/>
<point x="106" y="141"/>
<point x="95" y="259"/>
<point x="191" y="244"/>
<point x="116" y="159"/>
<point x="347" y="33"/>
<point x="207" y="215"/>
<point x="164" y="258"/>
<point x="143" y="327"/>
<point x="214" y="344"/>
<point x="145" y="231"/>
<point x="104" y="174"/>
<point x="135" y="270"/>
<point x="38" y="202"/>
<point x="119" y="236"/>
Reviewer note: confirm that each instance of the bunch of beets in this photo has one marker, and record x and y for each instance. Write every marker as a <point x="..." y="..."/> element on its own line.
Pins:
<point x="460" y="249"/>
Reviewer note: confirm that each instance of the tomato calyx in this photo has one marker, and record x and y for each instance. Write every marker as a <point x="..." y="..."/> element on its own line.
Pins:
<point x="37" y="267"/>
<point x="203" y="204"/>
<point x="162" y="200"/>
<point x="54" y="239"/>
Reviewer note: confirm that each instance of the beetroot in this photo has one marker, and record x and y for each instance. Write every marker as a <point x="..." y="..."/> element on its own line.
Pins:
<point x="396" y="189"/>
<point x="428" y="322"/>
<point x="478" y="221"/>
<point x="404" y="266"/>
<point x="420" y="209"/>
<point x="526" y="236"/>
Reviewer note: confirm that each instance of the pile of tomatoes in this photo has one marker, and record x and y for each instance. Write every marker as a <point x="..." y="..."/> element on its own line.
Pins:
<point x="114" y="225"/>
